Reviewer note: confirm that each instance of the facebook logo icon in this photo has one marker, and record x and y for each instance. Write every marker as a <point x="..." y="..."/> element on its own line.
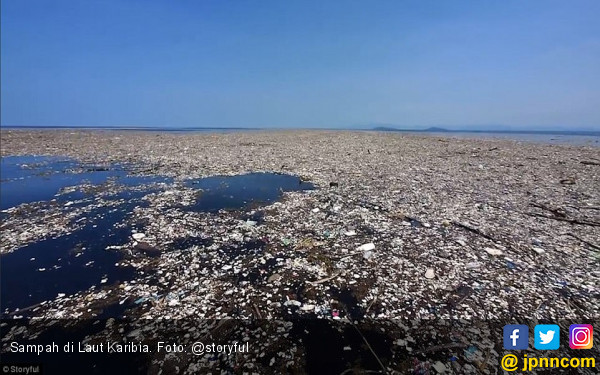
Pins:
<point x="516" y="336"/>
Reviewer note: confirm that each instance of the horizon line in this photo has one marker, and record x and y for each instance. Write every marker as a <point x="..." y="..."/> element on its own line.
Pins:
<point x="374" y="127"/>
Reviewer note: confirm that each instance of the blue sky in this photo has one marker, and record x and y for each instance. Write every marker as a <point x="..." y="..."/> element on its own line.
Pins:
<point x="516" y="64"/>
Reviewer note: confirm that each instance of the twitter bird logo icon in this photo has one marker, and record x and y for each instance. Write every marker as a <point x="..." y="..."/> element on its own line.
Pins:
<point x="547" y="337"/>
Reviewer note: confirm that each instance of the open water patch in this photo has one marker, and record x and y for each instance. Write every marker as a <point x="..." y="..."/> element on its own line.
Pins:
<point x="67" y="264"/>
<point x="27" y="179"/>
<point x="240" y="191"/>
<point x="103" y="197"/>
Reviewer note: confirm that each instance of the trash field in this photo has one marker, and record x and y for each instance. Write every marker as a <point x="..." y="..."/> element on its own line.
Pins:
<point x="291" y="232"/>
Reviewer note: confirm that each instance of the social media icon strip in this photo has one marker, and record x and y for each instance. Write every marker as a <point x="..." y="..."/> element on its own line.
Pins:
<point x="516" y="336"/>
<point x="581" y="336"/>
<point x="547" y="337"/>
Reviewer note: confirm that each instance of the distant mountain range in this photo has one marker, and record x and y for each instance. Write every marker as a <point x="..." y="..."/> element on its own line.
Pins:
<point x="436" y="129"/>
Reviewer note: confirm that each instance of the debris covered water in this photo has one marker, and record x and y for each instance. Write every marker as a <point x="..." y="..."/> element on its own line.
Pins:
<point x="27" y="179"/>
<point x="401" y="230"/>
<point x="85" y="255"/>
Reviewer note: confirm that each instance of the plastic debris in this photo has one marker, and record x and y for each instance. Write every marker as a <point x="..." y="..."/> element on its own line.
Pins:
<point x="539" y="250"/>
<point x="138" y="236"/>
<point x="291" y="262"/>
<point x="493" y="251"/>
<point x="366" y="247"/>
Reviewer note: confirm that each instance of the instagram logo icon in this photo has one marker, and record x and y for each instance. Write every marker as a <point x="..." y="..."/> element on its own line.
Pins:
<point x="581" y="336"/>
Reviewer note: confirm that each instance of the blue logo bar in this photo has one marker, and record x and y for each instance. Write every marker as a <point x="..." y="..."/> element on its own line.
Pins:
<point x="516" y="336"/>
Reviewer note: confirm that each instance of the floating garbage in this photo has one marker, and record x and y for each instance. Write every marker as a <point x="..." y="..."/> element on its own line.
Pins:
<point x="138" y="236"/>
<point x="492" y="251"/>
<point x="366" y="247"/>
<point x="539" y="250"/>
<point x="422" y="206"/>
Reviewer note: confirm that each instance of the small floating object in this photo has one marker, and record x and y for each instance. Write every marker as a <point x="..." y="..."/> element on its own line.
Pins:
<point x="440" y="367"/>
<point x="366" y="247"/>
<point x="492" y="251"/>
<point x="138" y="236"/>
<point x="430" y="274"/>
<point x="307" y="307"/>
<point x="538" y="250"/>
<point x="350" y="233"/>
<point x="147" y="249"/>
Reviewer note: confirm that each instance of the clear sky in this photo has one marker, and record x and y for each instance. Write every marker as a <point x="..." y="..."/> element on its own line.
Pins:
<point x="522" y="64"/>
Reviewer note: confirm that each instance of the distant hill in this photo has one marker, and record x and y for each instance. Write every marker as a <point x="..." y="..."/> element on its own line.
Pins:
<point x="386" y="129"/>
<point x="392" y="129"/>
<point x="435" y="129"/>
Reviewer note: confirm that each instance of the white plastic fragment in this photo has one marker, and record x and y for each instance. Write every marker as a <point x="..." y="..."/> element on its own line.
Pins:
<point x="440" y="367"/>
<point x="307" y="307"/>
<point x="366" y="247"/>
<point x="138" y="236"/>
<point x="492" y="251"/>
<point x="539" y="250"/>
